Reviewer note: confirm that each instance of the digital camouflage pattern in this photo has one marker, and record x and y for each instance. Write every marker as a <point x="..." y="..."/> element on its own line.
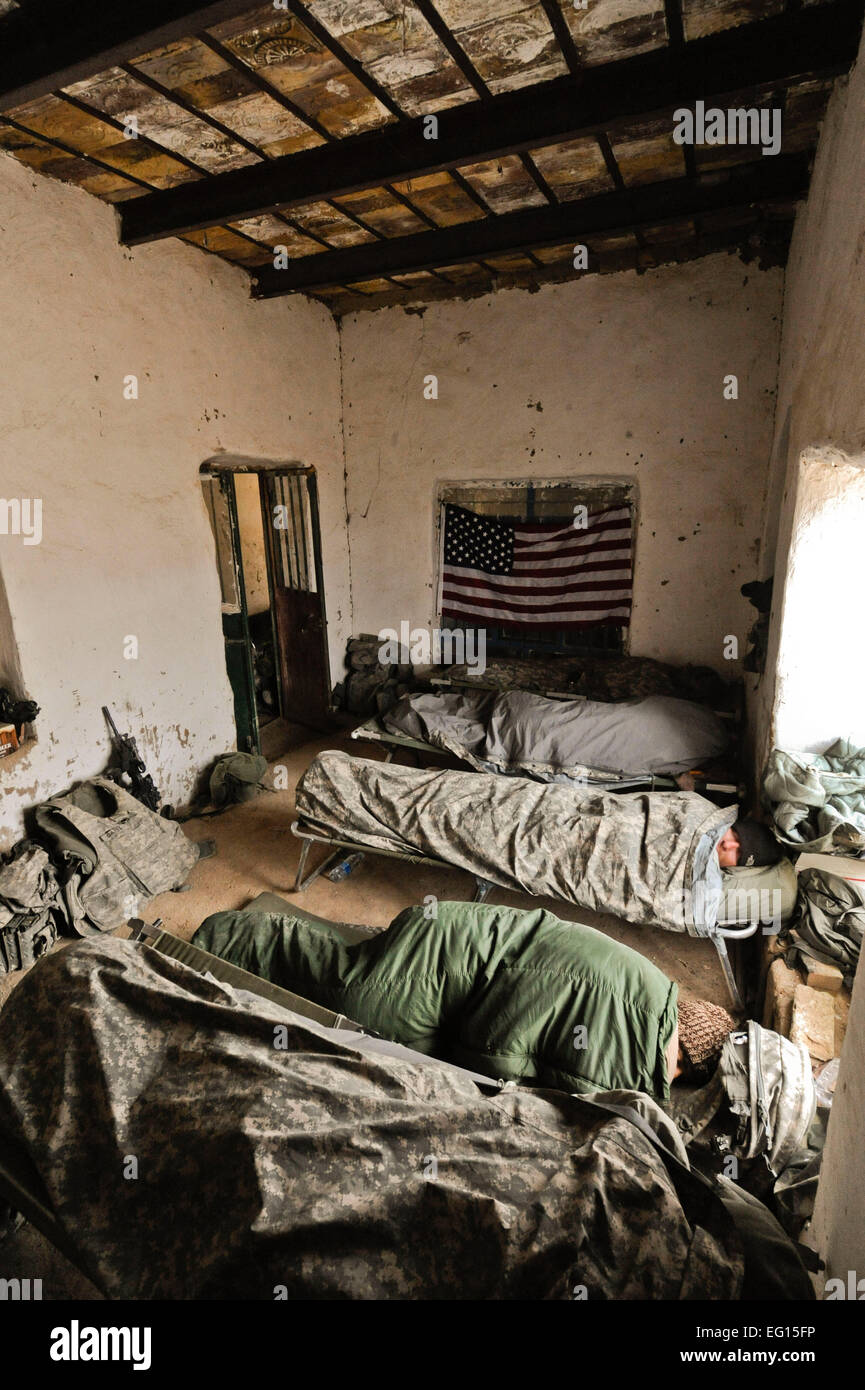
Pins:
<point x="599" y="677"/>
<point x="201" y="1143"/>
<point x="633" y="855"/>
<point x="27" y="882"/>
<point x="29" y="906"/>
<point x="761" y="1096"/>
<point x="770" y="1087"/>
<point x="545" y="675"/>
<point x="118" y="853"/>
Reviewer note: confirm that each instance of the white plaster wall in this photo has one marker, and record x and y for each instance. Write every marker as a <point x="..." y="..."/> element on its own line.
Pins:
<point x="618" y="375"/>
<point x="821" y="403"/>
<point x="10" y="668"/>
<point x="127" y="547"/>
<point x="813" y="691"/>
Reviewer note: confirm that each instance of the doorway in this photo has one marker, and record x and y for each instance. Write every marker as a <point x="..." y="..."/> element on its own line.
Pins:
<point x="265" y="524"/>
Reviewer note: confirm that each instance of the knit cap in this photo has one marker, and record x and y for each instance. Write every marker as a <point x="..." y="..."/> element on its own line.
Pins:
<point x="703" y="1030"/>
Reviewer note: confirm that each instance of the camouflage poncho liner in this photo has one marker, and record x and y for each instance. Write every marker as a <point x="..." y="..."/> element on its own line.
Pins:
<point x="647" y="857"/>
<point x="317" y="1170"/>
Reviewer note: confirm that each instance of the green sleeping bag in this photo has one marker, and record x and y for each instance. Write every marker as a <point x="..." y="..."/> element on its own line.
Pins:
<point x="517" y="995"/>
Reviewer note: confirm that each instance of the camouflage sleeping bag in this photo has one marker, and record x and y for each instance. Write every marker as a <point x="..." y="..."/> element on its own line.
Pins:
<point x="276" y="1158"/>
<point x="647" y="857"/>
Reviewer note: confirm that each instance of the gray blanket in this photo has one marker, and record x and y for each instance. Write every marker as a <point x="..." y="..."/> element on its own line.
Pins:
<point x="200" y="1143"/>
<point x="817" y="800"/>
<point x="564" y="740"/>
<point x="648" y="857"/>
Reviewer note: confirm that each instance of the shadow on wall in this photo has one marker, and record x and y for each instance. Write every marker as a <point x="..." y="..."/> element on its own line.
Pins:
<point x="10" y="666"/>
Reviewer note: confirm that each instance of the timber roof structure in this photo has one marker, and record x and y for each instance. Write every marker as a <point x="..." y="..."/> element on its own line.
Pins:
<point x="371" y="152"/>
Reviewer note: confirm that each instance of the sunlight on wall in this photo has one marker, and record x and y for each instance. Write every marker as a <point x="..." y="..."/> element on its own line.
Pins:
<point x="821" y="657"/>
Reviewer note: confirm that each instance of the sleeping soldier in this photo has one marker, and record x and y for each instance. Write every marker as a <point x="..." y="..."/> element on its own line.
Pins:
<point x="516" y="995"/>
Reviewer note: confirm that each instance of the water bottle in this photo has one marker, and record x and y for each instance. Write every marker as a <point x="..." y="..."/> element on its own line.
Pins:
<point x="344" y="868"/>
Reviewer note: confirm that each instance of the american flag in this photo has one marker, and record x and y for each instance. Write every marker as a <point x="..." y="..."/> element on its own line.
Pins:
<point x="537" y="574"/>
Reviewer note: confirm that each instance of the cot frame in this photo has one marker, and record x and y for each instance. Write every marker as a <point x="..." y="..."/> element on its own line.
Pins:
<point x="373" y="731"/>
<point x="310" y="835"/>
<point x="316" y="835"/>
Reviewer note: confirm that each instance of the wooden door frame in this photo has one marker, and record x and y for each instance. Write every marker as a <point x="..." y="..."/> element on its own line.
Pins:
<point x="237" y="463"/>
<point x="308" y="473"/>
<point x="225" y="480"/>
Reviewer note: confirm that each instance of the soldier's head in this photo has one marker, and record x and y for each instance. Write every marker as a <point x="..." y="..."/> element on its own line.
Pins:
<point x="748" y="844"/>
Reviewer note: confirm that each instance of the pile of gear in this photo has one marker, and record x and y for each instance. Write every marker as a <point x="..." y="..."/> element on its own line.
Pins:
<point x="817" y="803"/>
<point x="99" y="851"/>
<point x="95" y="855"/>
<point x="756" y="1118"/>
<point x="817" y="800"/>
<point x="829" y="923"/>
<point x="371" y="686"/>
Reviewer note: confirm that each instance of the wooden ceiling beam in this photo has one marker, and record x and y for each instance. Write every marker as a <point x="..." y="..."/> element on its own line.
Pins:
<point x="819" y="41"/>
<point x="675" y="22"/>
<point x="262" y="85"/>
<point x="562" y="33"/>
<point x="615" y="174"/>
<point x="760" y="182"/>
<point x="45" y="44"/>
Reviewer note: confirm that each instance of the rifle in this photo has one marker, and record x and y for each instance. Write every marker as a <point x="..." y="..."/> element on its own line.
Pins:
<point x="132" y="768"/>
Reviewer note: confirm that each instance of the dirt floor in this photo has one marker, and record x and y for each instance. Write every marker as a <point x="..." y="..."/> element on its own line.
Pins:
<point x="256" y="852"/>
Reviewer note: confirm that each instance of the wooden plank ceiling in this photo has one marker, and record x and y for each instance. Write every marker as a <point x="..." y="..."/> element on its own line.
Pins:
<point x="302" y="126"/>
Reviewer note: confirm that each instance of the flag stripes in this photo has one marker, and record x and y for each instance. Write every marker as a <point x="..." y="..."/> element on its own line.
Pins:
<point x="537" y="574"/>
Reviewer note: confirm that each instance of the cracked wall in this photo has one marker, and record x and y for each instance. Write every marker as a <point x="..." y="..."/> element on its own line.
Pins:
<point x="126" y="547"/>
